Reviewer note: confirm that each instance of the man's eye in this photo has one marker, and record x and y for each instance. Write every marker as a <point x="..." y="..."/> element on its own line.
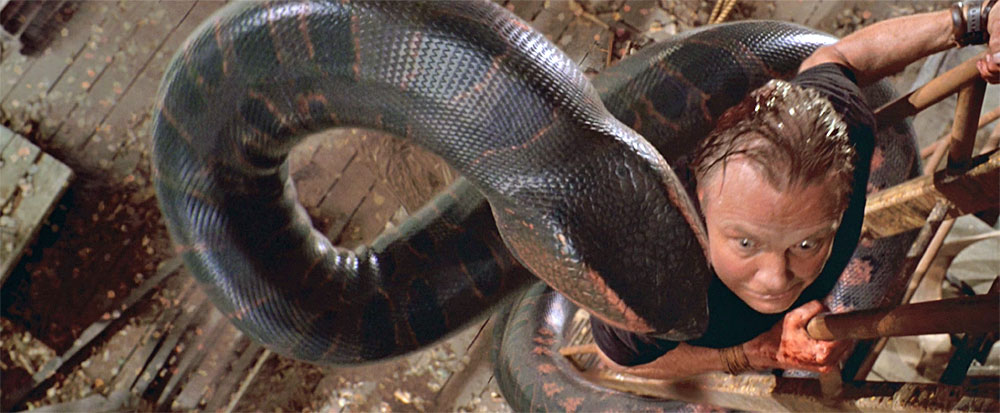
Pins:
<point x="745" y="243"/>
<point x="809" y="246"/>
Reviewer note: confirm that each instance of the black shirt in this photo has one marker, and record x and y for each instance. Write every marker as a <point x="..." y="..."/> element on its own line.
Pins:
<point x="732" y="321"/>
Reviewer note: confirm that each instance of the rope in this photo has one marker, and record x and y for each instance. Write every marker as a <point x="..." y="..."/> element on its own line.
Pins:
<point x="721" y="11"/>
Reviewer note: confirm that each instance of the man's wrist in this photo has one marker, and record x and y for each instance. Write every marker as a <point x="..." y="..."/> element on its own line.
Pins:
<point x="970" y="20"/>
<point x="735" y="359"/>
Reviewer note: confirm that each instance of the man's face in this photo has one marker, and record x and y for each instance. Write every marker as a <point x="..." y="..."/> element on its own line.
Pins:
<point x="766" y="245"/>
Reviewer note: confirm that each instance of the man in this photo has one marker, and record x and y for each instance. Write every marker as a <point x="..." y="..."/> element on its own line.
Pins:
<point x="772" y="181"/>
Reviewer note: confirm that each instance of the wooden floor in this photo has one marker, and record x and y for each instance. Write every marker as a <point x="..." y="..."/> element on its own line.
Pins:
<point x="100" y="287"/>
<point x="33" y="182"/>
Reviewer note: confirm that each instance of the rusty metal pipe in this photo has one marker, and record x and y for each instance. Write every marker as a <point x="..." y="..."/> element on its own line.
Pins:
<point x="966" y="123"/>
<point x="934" y="147"/>
<point x="918" y="249"/>
<point x="934" y="91"/>
<point x="979" y="314"/>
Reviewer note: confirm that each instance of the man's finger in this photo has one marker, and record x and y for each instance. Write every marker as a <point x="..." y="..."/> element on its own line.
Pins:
<point x="988" y="74"/>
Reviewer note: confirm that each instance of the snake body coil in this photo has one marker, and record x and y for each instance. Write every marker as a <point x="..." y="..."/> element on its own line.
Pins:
<point x="581" y="200"/>
<point x="575" y="196"/>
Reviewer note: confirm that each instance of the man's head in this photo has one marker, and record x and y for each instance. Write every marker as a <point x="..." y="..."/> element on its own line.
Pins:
<point x="774" y="178"/>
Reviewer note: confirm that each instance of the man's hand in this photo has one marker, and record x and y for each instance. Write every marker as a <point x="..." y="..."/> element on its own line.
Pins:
<point x="989" y="66"/>
<point x="788" y="346"/>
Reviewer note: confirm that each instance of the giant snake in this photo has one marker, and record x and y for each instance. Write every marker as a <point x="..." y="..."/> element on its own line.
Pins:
<point x="565" y="179"/>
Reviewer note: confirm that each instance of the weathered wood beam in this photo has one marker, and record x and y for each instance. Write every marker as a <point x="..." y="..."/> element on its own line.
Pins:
<point x="905" y="206"/>
<point x="766" y="392"/>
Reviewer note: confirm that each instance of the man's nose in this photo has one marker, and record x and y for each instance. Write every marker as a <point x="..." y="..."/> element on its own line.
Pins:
<point x="773" y="272"/>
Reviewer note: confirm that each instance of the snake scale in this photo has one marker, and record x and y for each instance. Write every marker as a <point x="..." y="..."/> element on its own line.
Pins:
<point x="564" y="179"/>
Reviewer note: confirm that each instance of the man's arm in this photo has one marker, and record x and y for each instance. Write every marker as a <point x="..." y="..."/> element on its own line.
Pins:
<point x="785" y="346"/>
<point x="888" y="46"/>
<point x="683" y="361"/>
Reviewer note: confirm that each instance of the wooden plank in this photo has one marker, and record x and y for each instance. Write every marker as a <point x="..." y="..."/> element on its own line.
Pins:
<point x="586" y="43"/>
<point x="193" y="309"/>
<point x="525" y="9"/>
<point x="45" y="187"/>
<point x="95" y="137"/>
<point x="45" y="71"/>
<point x="766" y="392"/>
<point x="129" y="122"/>
<point x="813" y="12"/>
<point x="463" y="386"/>
<point x="906" y="206"/>
<point x="18" y="157"/>
<point x="226" y="385"/>
<point x="553" y="19"/>
<point x="200" y="385"/>
<point x="89" y="68"/>
<point x="192" y="357"/>
<point x="6" y="137"/>
<point x="165" y="269"/>
<point x="370" y="219"/>
<point x="245" y="383"/>
<point x="66" y="45"/>
<point x="342" y="200"/>
<point x="13" y="68"/>
<point x="132" y="369"/>
<point x="146" y="42"/>
<point x="639" y="14"/>
<point x="330" y="157"/>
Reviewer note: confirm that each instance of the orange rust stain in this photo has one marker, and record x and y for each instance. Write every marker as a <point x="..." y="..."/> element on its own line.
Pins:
<point x="546" y="368"/>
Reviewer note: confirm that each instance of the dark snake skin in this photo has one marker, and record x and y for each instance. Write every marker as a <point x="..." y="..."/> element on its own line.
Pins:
<point x="670" y="92"/>
<point x="580" y="199"/>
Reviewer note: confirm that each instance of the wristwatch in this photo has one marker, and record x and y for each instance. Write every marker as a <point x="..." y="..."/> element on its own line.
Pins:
<point x="969" y="20"/>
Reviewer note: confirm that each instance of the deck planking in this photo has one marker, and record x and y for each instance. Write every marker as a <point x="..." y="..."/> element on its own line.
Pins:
<point x="134" y="55"/>
<point x="31" y="182"/>
<point x="79" y="81"/>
